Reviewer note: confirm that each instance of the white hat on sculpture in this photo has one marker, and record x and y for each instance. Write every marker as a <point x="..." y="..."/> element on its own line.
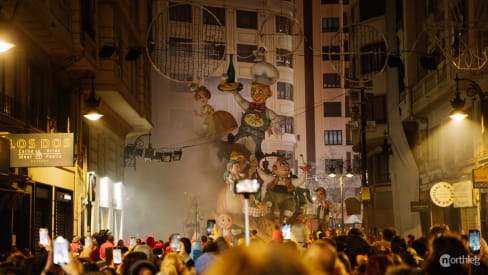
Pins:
<point x="263" y="72"/>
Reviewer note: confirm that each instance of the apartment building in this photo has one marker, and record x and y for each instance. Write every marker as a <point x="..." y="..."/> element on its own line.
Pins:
<point x="65" y="52"/>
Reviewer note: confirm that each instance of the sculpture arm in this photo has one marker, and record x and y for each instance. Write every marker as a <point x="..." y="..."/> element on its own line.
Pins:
<point x="241" y="101"/>
<point x="274" y="126"/>
<point x="300" y="180"/>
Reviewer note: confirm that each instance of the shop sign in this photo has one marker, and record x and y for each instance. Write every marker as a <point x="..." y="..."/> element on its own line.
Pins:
<point x="480" y="177"/>
<point x="41" y="150"/>
<point x="419" y="206"/>
<point x="442" y="194"/>
<point x="463" y="194"/>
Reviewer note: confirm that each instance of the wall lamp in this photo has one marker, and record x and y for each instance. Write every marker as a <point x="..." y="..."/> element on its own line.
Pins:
<point x="457" y="102"/>
<point x="5" y="37"/>
<point x="92" y="103"/>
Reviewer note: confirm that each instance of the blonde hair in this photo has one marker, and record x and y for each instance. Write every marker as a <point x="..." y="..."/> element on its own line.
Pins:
<point x="172" y="264"/>
<point x="260" y="258"/>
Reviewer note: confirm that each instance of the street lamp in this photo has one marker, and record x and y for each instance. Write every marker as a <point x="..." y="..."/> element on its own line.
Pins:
<point x="349" y="174"/>
<point x="457" y="102"/>
<point x="92" y="103"/>
<point x="458" y="113"/>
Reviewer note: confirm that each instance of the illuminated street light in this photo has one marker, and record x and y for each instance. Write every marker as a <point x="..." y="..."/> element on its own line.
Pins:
<point x="457" y="102"/>
<point x="349" y="174"/>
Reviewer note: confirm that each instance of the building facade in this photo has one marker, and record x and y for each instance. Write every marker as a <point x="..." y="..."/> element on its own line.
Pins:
<point x="446" y="151"/>
<point x="64" y="51"/>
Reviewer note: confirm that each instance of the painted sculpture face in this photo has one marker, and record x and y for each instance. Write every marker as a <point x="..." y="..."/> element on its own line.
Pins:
<point x="224" y="221"/>
<point x="259" y="93"/>
<point x="321" y="194"/>
<point x="281" y="168"/>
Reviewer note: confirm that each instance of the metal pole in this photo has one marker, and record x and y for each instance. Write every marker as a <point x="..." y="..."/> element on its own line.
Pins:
<point x="246" y="219"/>
<point x="88" y="217"/>
<point x="364" y="168"/>
<point x="342" y="205"/>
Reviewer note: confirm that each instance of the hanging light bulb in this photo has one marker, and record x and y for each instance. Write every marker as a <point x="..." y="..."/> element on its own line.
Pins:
<point x="92" y="103"/>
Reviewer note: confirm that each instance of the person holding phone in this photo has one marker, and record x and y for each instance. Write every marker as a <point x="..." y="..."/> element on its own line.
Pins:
<point x="109" y="243"/>
<point x="69" y="266"/>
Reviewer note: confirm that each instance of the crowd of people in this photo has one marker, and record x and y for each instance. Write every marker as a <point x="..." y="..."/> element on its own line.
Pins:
<point x="329" y="253"/>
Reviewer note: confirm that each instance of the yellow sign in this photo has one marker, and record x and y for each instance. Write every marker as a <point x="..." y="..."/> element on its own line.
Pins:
<point x="41" y="150"/>
<point x="480" y="177"/>
<point x="365" y="195"/>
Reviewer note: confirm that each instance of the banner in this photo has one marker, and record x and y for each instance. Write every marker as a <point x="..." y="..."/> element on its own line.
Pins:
<point x="41" y="150"/>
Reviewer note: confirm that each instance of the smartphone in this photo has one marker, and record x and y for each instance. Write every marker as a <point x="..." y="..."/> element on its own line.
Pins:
<point x="474" y="241"/>
<point x="60" y="251"/>
<point x="175" y="242"/>
<point x="109" y="255"/>
<point x="44" y="236"/>
<point x="117" y="255"/>
<point x="132" y="242"/>
<point x="210" y="227"/>
<point x="247" y="186"/>
<point x="286" y="231"/>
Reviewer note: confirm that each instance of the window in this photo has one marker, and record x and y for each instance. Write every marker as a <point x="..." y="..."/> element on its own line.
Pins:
<point x="284" y="58"/>
<point x="214" y="50"/>
<point x="285" y="90"/>
<point x="332" y="109"/>
<point x="376" y="108"/>
<point x="180" y="47"/>
<point x="330" y="24"/>
<point x="283" y="25"/>
<point x="331" y="53"/>
<point x="336" y="164"/>
<point x="373" y="57"/>
<point x="244" y="53"/>
<point x="218" y="14"/>
<point x="347" y="106"/>
<point x="331" y="81"/>
<point x="247" y="19"/>
<point x="333" y="137"/>
<point x="87" y="18"/>
<point x="180" y="12"/>
<point x="329" y="1"/>
<point x="348" y="134"/>
<point x="286" y="124"/>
